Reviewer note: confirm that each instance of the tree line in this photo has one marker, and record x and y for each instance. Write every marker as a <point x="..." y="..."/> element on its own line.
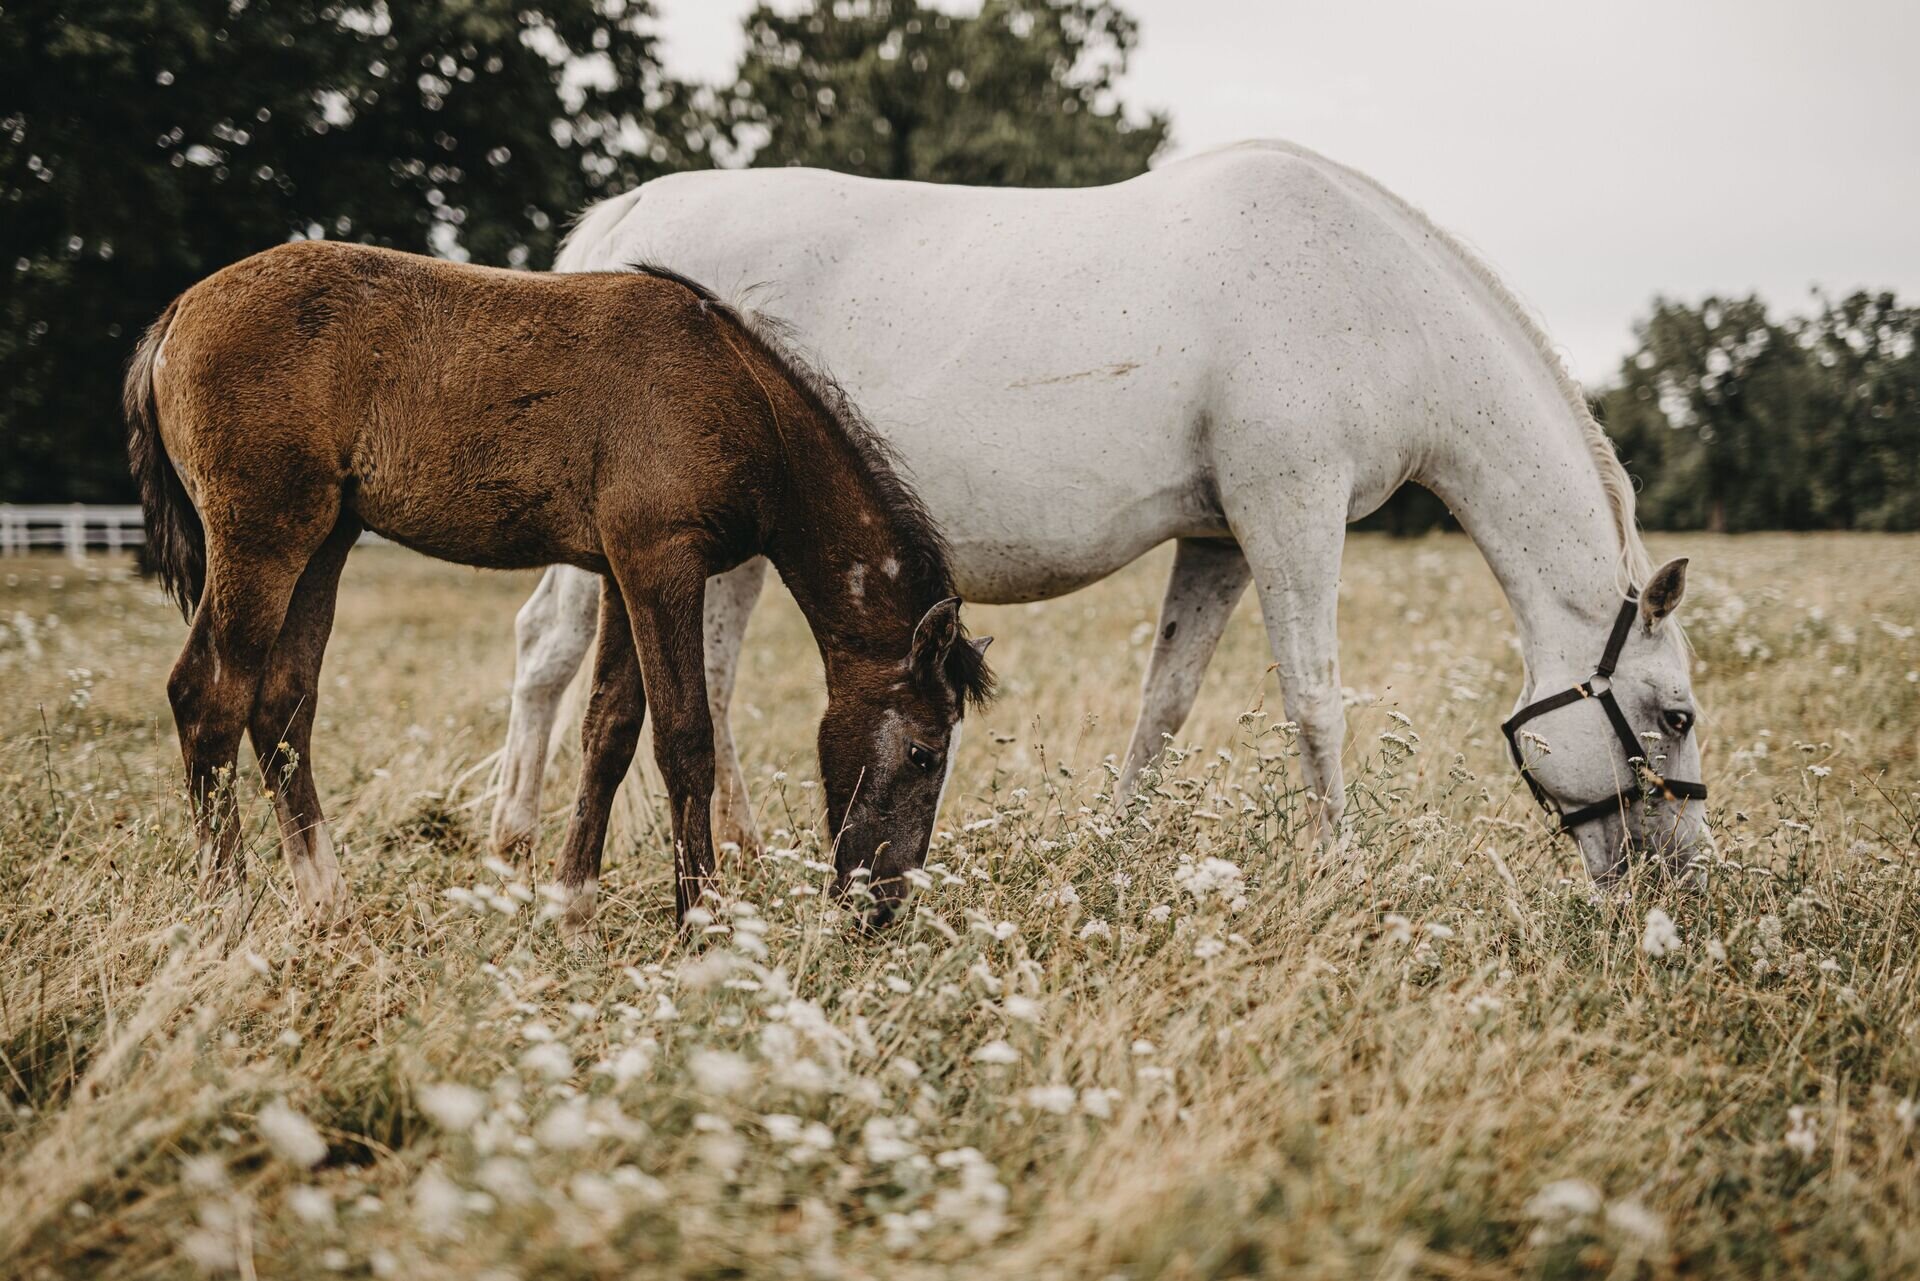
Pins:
<point x="150" y="142"/>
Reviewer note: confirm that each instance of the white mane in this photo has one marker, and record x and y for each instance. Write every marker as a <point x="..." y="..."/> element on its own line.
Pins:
<point x="1636" y="565"/>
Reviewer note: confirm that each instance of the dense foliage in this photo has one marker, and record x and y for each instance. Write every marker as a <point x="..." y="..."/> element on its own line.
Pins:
<point x="147" y="143"/>
<point x="1735" y="421"/>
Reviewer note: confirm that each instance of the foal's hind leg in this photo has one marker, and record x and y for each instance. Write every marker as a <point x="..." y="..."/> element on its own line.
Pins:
<point x="608" y="737"/>
<point x="214" y="684"/>
<point x="282" y="728"/>
<point x="1208" y="578"/>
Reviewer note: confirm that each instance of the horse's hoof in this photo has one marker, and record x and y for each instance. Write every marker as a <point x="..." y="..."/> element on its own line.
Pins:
<point x="576" y="910"/>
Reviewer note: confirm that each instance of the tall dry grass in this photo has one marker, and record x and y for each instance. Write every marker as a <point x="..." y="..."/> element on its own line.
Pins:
<point x="1089" y="1050"/>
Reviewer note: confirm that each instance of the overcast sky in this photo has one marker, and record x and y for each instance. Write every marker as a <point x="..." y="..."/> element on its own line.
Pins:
<point x="1597" y="154"/>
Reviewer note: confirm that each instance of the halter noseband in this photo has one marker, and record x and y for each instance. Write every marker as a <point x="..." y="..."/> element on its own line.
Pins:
<point x="1599" y="686"/>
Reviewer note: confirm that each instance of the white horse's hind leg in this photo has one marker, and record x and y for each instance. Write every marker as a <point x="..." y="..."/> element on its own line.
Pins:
<point x="1208" y="577"/>
<point x="730" y="600"/>
<point x="554" y="630"/>
<point x="1294" y="551"/>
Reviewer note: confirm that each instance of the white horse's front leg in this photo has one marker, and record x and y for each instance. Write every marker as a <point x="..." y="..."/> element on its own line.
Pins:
<point x="1295" y="557"/>
<point x="1208" y="577"/>
<point x="730" y="600"/>
<point x="554" y="630"/>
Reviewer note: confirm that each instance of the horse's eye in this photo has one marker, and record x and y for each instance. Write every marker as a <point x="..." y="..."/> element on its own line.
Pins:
<point x="922" y="755"/>
<point x="1679" y="720"/>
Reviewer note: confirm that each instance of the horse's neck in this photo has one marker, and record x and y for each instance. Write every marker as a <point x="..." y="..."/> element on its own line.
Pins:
<point x="840" y="552"/>
<point x="1522" y="481"/>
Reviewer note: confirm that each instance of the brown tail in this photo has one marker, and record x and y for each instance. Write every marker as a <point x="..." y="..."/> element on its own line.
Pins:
<point x="176" y="542"/>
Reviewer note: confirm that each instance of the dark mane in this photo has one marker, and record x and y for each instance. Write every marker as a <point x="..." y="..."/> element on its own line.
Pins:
<point x="924" y="566"/>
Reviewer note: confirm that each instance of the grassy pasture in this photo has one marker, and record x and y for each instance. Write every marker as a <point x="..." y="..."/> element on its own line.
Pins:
<point x="1087" y="1052"/>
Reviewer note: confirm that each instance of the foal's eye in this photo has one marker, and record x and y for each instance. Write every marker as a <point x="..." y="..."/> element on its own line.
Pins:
<point x="1679" y="720"/>
<point x="922" y="755"/>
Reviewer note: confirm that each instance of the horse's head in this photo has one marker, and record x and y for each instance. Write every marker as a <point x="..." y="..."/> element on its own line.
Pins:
<point x="886" y="748"/>
<point x="1613" y="747"/>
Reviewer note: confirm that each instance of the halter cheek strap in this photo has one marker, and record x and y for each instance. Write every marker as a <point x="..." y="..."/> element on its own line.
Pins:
<point x="1599" y="686"/>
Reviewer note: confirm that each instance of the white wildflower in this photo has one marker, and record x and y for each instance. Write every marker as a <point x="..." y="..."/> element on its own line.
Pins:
<point x="437" y="1203"/>
<point x="291" y="1135"/>
<point x="1801" y="1139"/>
<point x="1096" y="929"/>
<point x="565" y="1128"/>
<point x="1022" y="1008"/>
<point x="550" y="1059"/>
<point x="452" y="1107"/>
<point x="1661" y="936"/>
<point x="1208" y="948"/>
<point x="996" y="1052"/>
<point x="1634" y="1221"/>
<point x="1057" y="1099"/>
<point x="719" y="1071"/>
<point x="312" y="1206"/>
<point x="1211" y="877"/>
<point x="886" y="1139"/>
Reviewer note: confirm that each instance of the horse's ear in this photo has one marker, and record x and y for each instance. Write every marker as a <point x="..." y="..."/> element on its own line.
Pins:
<point x="933" y="636"/>
<point x="1663" y="592"/>
<point x="980" y="644"/>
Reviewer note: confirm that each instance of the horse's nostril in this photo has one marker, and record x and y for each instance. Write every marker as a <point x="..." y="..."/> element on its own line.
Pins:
<point x="881" y="916"/>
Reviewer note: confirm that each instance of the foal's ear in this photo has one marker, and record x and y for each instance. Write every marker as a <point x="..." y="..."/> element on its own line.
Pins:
<point x="1663" y="592"/>
<point x="934" y="635"/>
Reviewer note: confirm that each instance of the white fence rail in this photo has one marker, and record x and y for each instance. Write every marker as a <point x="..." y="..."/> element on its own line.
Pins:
<point x="77" y="528"/>
<point x="73" y="527"/>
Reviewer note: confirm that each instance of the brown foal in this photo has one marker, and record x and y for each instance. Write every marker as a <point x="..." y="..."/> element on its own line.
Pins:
<point x="624" y="422"/>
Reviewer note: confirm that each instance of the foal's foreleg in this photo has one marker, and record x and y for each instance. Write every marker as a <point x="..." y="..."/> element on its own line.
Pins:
<point x="1208" y="577"/>
<point x="608" y="736"/>
<point x="282" y="728"/>
<point x="552" y="630"/>
<point x="665" y="595"/>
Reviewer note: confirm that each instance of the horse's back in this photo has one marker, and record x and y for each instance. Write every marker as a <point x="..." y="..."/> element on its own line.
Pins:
<point x="468" y="412"/>
<point x="1058" y="366"/>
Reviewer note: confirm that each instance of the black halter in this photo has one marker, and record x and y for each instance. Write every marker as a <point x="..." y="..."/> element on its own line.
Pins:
<point x="1599" y="686"/>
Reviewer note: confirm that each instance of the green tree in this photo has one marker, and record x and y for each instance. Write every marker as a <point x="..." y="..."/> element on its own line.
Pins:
<point x="1020" y="95"/>
<point x="146" y="143"/>
<point x="1709" y="413"/>
<point x="1863" y="415"/>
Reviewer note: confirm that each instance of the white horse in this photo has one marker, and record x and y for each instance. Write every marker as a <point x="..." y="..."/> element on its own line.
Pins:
<point x="1242" y="351"/>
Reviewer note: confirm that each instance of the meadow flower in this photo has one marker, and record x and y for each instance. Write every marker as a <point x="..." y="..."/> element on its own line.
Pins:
<point x="719" y="1071"/>
<point x="550" y="1059"/>
<point x="204" y="1172"/>
<point x="1143" y="1048"/>
<point x="1096" y="929"/>
<point x="996" y="1053"/>
<point x="1435" y="930"/>
<point x="1661" y="936"/>
<point x="1208" y="948"/>
<point x="1801" y="1139"/>
<point x="1096" y="1102"/>
<point x="978" y="1205"/>
<point x="437" y="1203"/>
<point x="312" y="1206"/>
<point x="1634" y="1221"/>
<point x="291" y="1135"/>
<point x="1560" y="1206"/>
<point x="1057" y="1099"/>
<point x="1399" y="928"/>
<point x="1159" y="913"/>
<point x="506" y="1178"/>
<point x="1022" y="1008"/>
<point x="565" y="1128"/>
<point x="887" y="1139"/>
<point x="1209" y="878"/>
<point x="451" y="1106"/>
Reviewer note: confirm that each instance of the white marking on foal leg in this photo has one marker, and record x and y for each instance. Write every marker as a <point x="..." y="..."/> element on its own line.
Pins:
<point x="316" y="872"/>
<point x="577" y="905"/>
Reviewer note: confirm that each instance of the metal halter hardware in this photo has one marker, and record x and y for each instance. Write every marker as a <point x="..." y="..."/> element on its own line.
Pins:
<point x="1599" y="687"/>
